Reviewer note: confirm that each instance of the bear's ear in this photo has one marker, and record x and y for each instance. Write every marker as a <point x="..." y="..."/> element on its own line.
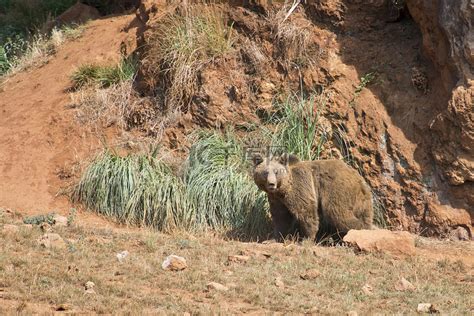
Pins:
<point x="289" y="160"/>
<point x="257" y="159"/>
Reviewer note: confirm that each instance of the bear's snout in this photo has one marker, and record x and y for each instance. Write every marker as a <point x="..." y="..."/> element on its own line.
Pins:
<point x="271" y="182"/>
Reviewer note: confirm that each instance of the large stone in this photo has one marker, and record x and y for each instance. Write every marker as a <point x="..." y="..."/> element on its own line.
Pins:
<point x="77" y="14"/>
<point x="397" y="243"/>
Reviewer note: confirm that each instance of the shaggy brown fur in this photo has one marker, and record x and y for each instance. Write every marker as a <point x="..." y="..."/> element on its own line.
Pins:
<point x="313" y="198"/>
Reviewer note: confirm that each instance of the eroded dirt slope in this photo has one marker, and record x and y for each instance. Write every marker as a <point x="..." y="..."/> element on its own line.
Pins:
<point x="40" y="140"/>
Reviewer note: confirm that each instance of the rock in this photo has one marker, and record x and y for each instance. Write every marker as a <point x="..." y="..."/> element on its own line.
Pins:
<point x="174" y="263"/>
<point x="9" y="229"/>
<point x="426" y="308"/>
<point x="121" y="256"/>
<point x="89" y="288"/>
<point x="238" y="258"/>
<point x="446" y="27"/>
<point x="52" y="240"/>
<point x="60" y="220"/>
<point x="78" y="13"/>
<point x="310" y="274"/>
<point x="26" y="227"/>
<point x="217" y="286"/>
<point x="367" y="289"/>
<point x="404" y="285"/>
<point x="459" y="233"/>
<point x="352" y="313"/>
<point x="63" y="307"/>
<point x="397" y="243"/>
<point x="279" y="282"/>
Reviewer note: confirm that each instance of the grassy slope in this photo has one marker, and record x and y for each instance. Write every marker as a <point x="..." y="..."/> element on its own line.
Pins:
<point x="31" y="276"/>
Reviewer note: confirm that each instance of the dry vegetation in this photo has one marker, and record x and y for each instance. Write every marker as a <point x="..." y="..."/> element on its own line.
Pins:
<point x="35" y="279"/>
<point x="183" y="43"/>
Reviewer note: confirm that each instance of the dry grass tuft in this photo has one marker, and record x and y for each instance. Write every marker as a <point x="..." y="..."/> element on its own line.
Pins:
<point x="120" y="105"/>
<point x="180" y="45"/>
<point x="292" y="37"/>
<point x="39" y="49"/>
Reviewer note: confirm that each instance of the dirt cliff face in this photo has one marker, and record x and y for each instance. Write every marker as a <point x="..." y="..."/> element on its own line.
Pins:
<point x="448" y="41"/>
<point x="400" y="87"/>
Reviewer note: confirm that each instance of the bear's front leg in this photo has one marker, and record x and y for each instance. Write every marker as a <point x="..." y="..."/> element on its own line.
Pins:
<point x="309" y="227"/>
<point x="307" y="217"/>
<point x="284" y="223"/>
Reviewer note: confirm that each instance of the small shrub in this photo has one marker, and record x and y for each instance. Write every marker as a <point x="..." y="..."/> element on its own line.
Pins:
<point x="181" y="44"/>
<point x="39" y="219"/>
<point x="103" y="76"/>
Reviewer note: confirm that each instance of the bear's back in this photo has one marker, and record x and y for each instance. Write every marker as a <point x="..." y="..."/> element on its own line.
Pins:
<point x="332" y="174"/>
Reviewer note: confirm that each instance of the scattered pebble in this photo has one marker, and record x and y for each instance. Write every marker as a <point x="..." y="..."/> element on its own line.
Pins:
<point x="427" y="308"/>
<point x="368" y="289"/>
<point x="89" y="288"/>
<point x="404" y="285"/>
<point x="310" y="274"/>
<point x="238" y="258"/>
<point x="174" y="263"/>
<point x="217" y="286"/>
<point x="279" y="283"/>
<point x="121" y="256"/>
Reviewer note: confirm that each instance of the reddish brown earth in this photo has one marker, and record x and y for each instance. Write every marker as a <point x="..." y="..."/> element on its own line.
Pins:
<point x="410" y="134"/>
<point x="41" y="144"/>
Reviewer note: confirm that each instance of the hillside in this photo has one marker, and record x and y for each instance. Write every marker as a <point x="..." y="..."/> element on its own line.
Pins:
<point x="387" y="88"/>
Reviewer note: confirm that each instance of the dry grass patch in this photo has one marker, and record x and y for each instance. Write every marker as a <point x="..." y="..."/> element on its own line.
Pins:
<point x="35" y="275"/>
<point x="180" y="45"/>
<point x="38" y="50"/>
<point x="292" y="36"/>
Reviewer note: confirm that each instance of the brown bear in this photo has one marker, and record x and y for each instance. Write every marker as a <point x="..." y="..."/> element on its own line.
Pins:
<point x="313" y="199"/>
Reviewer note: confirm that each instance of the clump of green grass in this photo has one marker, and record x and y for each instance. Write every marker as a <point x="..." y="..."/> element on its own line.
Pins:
<point x="103" y="76"/>
<point x="218" y="186"/>
<point x="298" y="128"/>
<point x="181" y="44"/>
<point x="135" y="189"/>
<point x="215" y="191"/>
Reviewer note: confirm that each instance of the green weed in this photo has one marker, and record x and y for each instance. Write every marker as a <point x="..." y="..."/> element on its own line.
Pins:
<point x="218" y="186"/>
<point x="297" y="126"/>
<point x="103" y="76"/>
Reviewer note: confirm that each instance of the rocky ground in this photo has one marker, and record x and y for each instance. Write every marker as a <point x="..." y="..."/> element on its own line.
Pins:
<point x="73" y="268"/>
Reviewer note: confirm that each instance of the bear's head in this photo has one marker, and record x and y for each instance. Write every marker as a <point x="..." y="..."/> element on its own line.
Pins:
<point x="272" y="174"/>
